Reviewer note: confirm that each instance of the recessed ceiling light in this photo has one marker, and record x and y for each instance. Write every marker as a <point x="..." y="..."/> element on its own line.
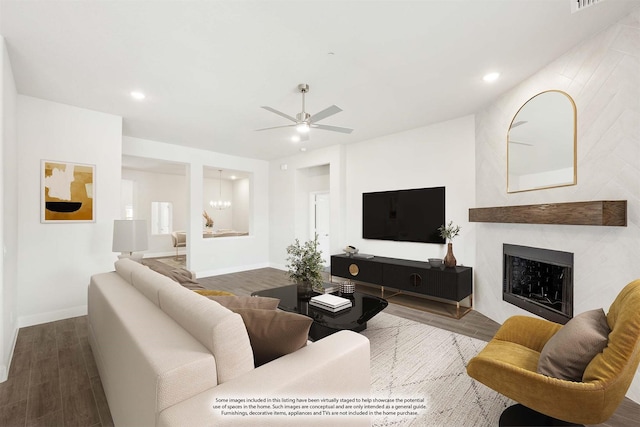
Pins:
<point x="491" y="77"/>
<point x="233" y="177"/>
<point x="137" y="95"/>
<point x="303" y="149"/>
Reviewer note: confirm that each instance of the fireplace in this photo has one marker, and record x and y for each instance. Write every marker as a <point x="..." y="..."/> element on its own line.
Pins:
<point x="539" y="281"/>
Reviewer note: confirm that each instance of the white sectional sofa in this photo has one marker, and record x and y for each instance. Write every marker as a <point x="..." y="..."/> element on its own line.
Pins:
<point x="165" y="354"/>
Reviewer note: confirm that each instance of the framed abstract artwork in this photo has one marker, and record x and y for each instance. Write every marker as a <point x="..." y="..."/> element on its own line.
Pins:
<point x="67" y="192"/>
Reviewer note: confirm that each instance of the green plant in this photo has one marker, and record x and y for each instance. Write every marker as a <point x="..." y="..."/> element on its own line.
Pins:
<point x="449" y="231"/>
<point x="305" y="262"/>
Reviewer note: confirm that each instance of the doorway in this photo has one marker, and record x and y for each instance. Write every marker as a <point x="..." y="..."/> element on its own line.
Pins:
<point x="320" y="223"/>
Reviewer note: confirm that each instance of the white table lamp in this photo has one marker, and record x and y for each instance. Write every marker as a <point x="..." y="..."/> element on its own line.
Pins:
<point x="129" y="236"/>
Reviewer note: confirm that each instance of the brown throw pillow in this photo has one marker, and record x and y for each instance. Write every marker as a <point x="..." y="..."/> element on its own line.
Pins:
<point x="233" y="302"/>
<point x="567" y="354"/>
<point x="274" y="333"/>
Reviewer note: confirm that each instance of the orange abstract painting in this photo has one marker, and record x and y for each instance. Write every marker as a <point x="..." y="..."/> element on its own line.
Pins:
<point x="67" y="192"/>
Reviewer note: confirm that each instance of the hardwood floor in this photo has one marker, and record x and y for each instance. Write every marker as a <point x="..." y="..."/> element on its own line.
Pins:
<point x="53" y="380"/>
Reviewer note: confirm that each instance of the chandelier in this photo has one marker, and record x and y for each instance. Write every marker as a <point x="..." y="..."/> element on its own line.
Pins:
<point x="220" y="204"/>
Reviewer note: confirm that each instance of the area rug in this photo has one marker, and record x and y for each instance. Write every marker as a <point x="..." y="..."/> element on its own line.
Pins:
<point x="411" y="360"/>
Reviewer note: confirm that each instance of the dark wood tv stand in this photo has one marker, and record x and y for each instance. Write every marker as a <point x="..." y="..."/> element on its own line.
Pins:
<point x="441" y="286"/>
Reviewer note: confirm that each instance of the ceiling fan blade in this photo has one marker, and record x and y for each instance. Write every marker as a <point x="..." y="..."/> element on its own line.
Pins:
<point x="516" y="124"/>
<point x="329" y="111"/>
<point x="280" y="113"/>
<point x="511" y="141"/>
<point x="276" y="127"/>
<point x="332" y="128"/>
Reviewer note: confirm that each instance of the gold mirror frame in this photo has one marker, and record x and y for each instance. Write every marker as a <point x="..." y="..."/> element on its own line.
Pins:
<point x="542" y="143"/>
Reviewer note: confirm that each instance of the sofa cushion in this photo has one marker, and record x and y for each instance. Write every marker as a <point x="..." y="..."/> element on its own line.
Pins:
<point x="217" y="328"/>
<point x="148" y="283"/>
<point x="233" y="302"/>
<point x="274" y="333"/>
<point x="125" y="267"/>
<point x="569" y="351"/>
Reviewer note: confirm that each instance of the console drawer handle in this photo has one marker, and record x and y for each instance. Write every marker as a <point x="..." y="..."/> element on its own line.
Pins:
<point x="416" y="279"/>
<point x="354" y="269"/>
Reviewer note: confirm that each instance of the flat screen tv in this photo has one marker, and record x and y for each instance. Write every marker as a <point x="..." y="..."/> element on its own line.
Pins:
<point x="404" y="215"/>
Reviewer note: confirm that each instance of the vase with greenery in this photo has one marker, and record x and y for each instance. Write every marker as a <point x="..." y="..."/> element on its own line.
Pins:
<point x="305" y="264"/>
<point x="448" y="232"/>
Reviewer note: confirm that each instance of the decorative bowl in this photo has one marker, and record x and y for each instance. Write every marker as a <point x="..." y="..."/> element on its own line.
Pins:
<point x="435" y="262"/>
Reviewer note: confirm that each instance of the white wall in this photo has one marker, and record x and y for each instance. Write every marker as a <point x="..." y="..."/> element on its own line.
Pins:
<point x="602" y="75"/>
<point x="8" y="212"/>
<point x="241" y="204"/>
<point x="159" y="187"/>
<point x="432" y="156"/>
<point x="289" y="206"/>
<point x="55" y="261"/>
<point x="216" y="255"/>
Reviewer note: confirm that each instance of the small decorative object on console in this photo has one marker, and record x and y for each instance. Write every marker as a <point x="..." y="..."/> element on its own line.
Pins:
<point x="330" y="302"/>
<point x="435" y="262"/>
<point x="448" y="232"/>
<point x="350" y="250"/>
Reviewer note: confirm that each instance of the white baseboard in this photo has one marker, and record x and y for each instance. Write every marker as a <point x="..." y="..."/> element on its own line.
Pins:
<point x="278" y="266"/>
<point x="4" y="369"/>
<point x="220" y="271"/>
<point x="52" y="316"/>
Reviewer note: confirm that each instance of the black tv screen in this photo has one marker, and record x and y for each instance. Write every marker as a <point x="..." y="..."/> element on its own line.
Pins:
<point x="404" y="215"/>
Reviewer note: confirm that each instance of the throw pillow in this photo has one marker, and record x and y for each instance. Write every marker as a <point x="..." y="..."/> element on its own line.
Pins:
<point x="211" y="292"/>
<point x="233" y="302"/>
<point x="567" y="354"/>
<point x="274" y="333"/>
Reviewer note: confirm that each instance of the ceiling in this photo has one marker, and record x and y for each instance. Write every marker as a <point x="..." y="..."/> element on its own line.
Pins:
<point x="206" y="67"/>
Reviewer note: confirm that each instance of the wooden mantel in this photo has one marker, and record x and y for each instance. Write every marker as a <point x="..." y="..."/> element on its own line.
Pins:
<point x="601" y="212"/>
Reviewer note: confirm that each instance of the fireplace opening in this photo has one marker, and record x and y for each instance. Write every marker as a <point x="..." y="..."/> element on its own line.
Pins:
<point x="539" y="281"/>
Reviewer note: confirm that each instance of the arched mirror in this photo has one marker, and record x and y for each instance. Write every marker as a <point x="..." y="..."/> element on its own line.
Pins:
<point x="541" y="143"/>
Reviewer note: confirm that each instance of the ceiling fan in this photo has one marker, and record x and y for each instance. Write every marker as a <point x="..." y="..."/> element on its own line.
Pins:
<point x="304" y="121"/>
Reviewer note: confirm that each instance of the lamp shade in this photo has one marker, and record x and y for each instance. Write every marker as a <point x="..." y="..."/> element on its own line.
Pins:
<point x="129" y="235"/>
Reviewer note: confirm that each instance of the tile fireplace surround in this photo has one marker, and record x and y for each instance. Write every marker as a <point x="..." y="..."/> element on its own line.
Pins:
<point x="601" y="75"/>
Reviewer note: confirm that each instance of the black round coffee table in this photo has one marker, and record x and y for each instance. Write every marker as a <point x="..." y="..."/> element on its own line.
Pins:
<point x="363" y="308"/>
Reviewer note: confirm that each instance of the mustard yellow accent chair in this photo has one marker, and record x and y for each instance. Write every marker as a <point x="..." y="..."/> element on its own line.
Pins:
<point x="508" y="364"/>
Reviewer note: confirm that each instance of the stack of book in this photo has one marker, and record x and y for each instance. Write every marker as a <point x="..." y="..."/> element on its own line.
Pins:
<point x="330" y="288"/>
<point x="330" y="302"/>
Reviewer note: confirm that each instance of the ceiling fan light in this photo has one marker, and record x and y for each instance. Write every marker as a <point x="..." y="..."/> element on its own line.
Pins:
<point x="303" y="127"/>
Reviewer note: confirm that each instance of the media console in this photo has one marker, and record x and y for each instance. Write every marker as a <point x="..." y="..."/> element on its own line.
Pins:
<point x="406" y="277"/>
